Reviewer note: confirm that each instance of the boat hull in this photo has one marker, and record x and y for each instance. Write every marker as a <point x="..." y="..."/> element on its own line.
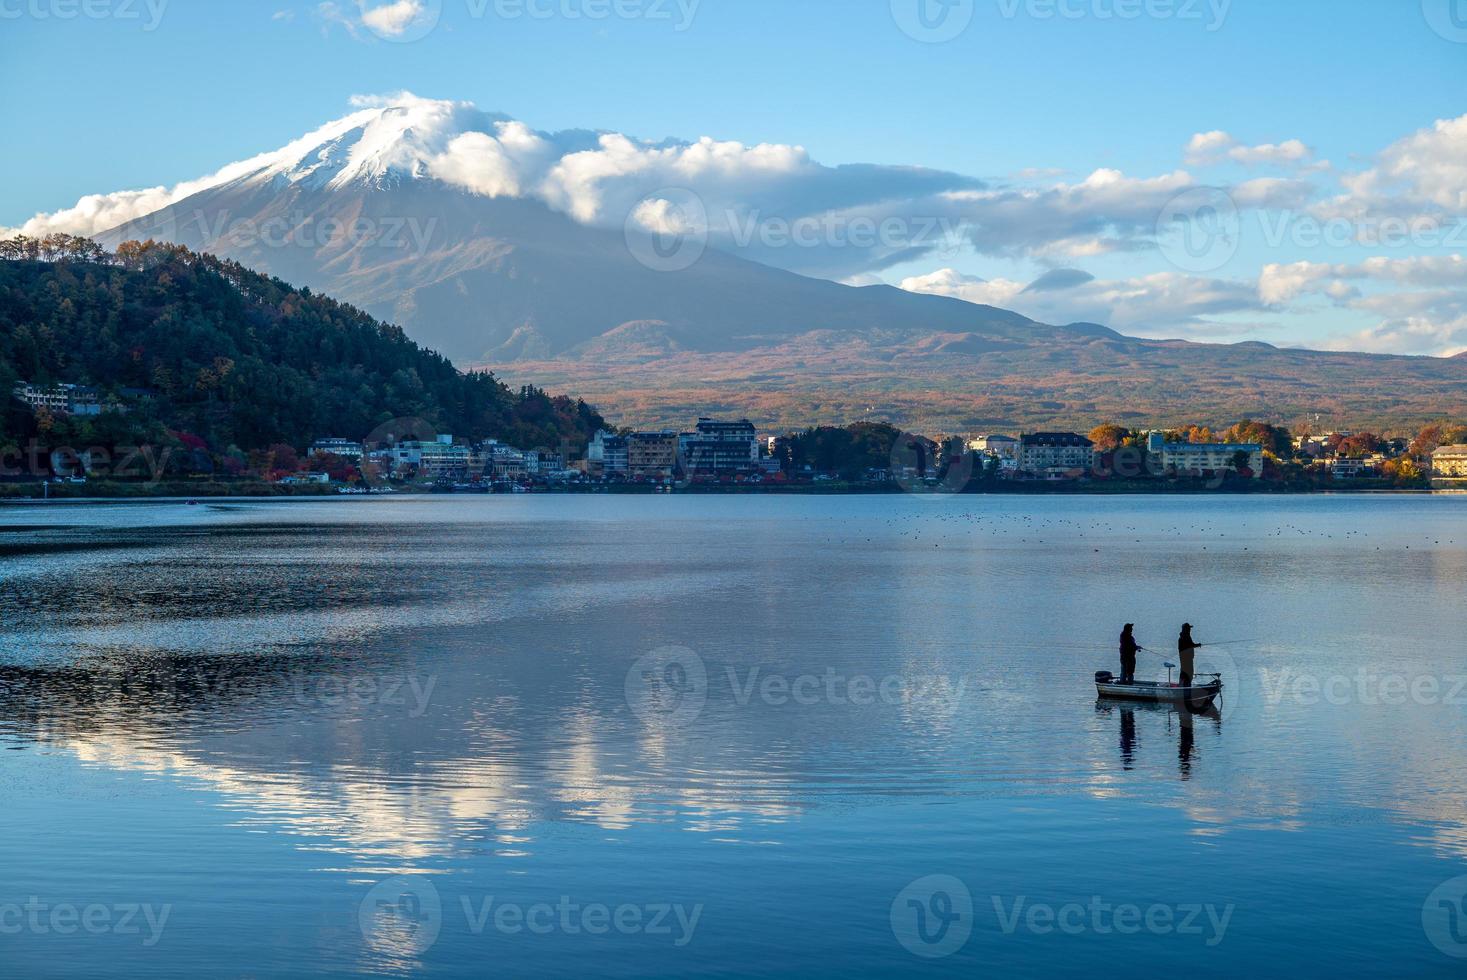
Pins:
<point x="1198" y="696"/>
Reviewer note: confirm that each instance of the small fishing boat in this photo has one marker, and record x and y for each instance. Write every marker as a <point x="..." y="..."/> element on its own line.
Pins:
<point x="1198" y="697"/>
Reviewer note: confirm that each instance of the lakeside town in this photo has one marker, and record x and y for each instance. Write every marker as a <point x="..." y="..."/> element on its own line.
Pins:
<point x="720" y="454"/>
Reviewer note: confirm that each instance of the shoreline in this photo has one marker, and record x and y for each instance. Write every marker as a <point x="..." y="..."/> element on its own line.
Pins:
<point x="317" y="497"/>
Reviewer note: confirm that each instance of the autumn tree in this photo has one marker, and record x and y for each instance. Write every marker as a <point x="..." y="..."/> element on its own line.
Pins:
<point x="1427" y="441"/>
<point x="1109" y="436"/>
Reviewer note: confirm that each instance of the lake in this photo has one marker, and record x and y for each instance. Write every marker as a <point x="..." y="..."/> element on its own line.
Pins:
<point x="730" y="735"/>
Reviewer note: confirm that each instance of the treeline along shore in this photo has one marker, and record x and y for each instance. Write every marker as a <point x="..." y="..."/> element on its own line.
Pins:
<point x="157" y="371"/>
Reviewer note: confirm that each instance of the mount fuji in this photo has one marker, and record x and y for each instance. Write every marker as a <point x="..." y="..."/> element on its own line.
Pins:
<point x="541" y="255"/>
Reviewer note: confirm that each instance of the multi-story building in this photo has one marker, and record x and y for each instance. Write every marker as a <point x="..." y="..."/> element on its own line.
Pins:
<point x="608" y="453"/>
<point x="1004" y="447"/>
<point x="544" y="464"/>
<point x="333" y="446"/>
<point x="1056" y="455"/>
<point x="652" y="455"/>
<point x="1199" y="458"/>
<point x="1450" y="461"/>
<point x="67" y="399"/>
<point x="502" y="462"/>
<point x="440" y="458"/>
<point x="1349" y="469"/>
<point x="720" y="448"/>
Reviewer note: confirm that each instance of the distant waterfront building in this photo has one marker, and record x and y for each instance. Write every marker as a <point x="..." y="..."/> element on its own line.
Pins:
<point x="1198" y="458"/>
<point x="545" y="464"/>
<point x="609" y="452"/>
<point x="1056" y="455"/>
<point x="652" y="455"/>
<point x="720" y="448"/>
<point x="1004" y="447"/>
<point x="300" y="479"/>
<point x="345" y="448"/>
<point x="1450" y="461"/>
<point x="439" y="458"/>
<point x="66" y="399"/>
<point x="502" y="462"/>
<point x="1349" y="469"/>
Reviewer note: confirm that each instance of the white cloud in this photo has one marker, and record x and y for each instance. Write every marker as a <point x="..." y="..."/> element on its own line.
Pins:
<point x="1208" y="149"/>
<point x="1166" y="304"/>
<point x="392" y="19"/>
<point x="1442" y="334"/>
<point x="857" y="220"/>
<point x="1423" y="176"/>
<point x="1429" y="318"/>
<point x="1282" y="283"/>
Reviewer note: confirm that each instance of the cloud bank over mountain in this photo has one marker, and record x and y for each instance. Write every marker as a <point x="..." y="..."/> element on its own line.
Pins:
<point x="775" y="204"/>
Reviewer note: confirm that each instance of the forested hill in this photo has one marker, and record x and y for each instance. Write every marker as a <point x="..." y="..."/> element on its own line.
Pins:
<point x="233" y="357"/>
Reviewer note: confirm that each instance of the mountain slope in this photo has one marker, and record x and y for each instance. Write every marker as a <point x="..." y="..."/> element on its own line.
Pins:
<point x="491" y="275"/>
<point x="240" y="359"/>
<point x="496" y="278"/>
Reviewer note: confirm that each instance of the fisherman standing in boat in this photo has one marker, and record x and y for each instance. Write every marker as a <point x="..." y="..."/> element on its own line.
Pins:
<point x="1129" y="646"/>
<point x="1185" y="647"/>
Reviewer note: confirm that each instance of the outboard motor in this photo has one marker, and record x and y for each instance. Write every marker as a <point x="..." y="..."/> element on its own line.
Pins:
<point x="1104" y="677"/>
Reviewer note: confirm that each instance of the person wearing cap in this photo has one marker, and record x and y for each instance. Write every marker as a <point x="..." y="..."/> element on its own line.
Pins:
<point x="1129" y="646"/>
<point x="1185" y="650"/>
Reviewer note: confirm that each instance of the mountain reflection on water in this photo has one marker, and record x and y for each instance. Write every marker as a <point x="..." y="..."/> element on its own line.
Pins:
<point x="457" y="690"/>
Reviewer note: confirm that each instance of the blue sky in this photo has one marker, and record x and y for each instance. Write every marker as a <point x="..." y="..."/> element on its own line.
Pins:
<point x="1030" y="94"/>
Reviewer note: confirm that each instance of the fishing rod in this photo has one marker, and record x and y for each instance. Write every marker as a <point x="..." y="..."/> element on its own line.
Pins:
<point x="1164" y="661"/>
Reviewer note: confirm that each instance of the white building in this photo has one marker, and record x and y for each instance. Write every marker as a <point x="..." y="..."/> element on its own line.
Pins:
<point x="65" y="399"/>
<point x="1349" y="469"/>
<point x="1056" y="455"/>
<point x="1199" y="458"/>
<point x="1449" y="461"/>
<point x="345" y="448"/>
<point x="608" y="451"/>
<point x="1004" y="447"/>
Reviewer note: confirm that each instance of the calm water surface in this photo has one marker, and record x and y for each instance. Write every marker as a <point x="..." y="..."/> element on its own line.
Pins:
<point x="740" y="736"/>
